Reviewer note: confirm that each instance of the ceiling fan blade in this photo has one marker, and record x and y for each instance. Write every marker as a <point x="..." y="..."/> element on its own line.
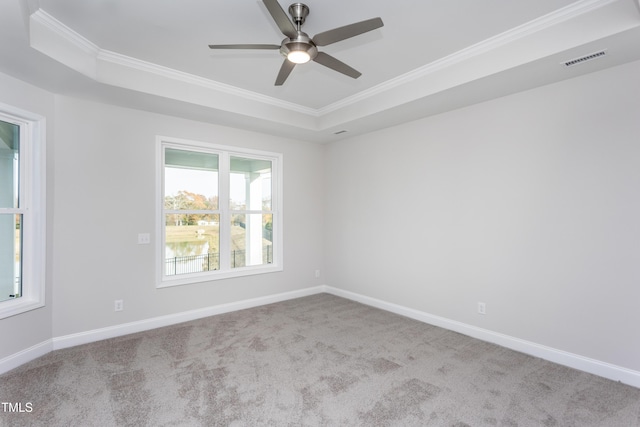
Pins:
<point x="348" y="31"/>
<point x="244" y="46"/>
<point x="339" y="66"/>
<point x="285" y="70"/>
<point x="282" y="20"/>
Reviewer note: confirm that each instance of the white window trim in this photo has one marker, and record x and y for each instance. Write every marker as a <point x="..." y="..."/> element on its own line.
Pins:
<point x="224" y="151"/>
<point x="33" y="202"/>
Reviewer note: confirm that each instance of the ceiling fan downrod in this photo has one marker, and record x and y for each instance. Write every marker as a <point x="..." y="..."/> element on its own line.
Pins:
<point x="299" y="12"/>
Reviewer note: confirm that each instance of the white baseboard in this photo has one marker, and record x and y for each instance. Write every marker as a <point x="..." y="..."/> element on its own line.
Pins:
<point x="596" y="367"/>
<point x="27" y="355"/>
<point x="592" y="366"/>
<point x="172" y="319"/>
<point x="13" y="361"/>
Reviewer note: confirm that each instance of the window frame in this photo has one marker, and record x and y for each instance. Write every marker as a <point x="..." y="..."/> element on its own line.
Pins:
<point x="224" y="210"/>
<point x="32" y="195"/>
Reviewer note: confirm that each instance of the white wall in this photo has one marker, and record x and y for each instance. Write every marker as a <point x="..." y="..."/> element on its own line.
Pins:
<point x="528" y="203"/>
<point x="105" y="196"/>
<point x="30" y="329"/>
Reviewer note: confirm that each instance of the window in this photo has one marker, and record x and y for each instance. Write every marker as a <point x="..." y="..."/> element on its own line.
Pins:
<point x="22" y="211"/>
<point x="220" y="212"/>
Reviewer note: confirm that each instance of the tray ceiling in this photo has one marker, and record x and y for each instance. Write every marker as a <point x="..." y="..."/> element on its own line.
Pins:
<point x="429" y="57"/>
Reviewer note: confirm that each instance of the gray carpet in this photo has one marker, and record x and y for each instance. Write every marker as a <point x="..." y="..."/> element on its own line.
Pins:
<point x="314" y="361"/>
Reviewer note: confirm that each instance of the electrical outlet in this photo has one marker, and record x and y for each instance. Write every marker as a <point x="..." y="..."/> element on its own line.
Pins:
<point x="317" y="274"/>
<point x="118" y="305"/>
<point x="482" y="308"/>
<point x="144" y="238"/>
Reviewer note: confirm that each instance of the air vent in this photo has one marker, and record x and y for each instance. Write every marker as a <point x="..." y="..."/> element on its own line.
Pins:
<point x="585" y="58"/>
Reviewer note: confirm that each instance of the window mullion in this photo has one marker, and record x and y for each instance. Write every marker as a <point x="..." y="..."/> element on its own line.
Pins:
<point x="225" y="214"/>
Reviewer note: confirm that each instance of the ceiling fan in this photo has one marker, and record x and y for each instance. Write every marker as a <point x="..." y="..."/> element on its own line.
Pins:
<point x="298" y="47"/>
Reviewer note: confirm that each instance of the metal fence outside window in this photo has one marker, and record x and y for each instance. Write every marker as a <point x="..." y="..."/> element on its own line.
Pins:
<point x="210" y="262"/>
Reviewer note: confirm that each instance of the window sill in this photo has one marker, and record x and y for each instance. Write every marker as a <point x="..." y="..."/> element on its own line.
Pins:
<point x="187" y="279"/>
<point x="17" y="306"/>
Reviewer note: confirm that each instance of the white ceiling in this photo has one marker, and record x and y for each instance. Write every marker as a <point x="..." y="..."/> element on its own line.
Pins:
<point x="430" y="56"/>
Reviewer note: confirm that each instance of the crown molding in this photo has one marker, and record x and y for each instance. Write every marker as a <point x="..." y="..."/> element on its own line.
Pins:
<point x="561" y="15"/>
<point x="55" y="39"/>
<point x="542" y="23"/>
<point x="192" y="79"/>
<point x="97" y="54"/>
<point x="47" y="21"/>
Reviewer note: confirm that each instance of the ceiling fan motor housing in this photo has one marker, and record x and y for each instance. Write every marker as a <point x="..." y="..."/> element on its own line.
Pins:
<point x="300" y="43"/>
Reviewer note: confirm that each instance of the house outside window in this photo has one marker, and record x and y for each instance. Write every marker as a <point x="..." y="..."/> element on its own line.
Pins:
<point x="22" y="211"/>
<point x="220" y="212"/>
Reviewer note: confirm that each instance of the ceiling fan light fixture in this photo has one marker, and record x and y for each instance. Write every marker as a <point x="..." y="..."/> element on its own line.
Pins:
<point x="299" y="51"/>
<point x="298" y="56"/>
